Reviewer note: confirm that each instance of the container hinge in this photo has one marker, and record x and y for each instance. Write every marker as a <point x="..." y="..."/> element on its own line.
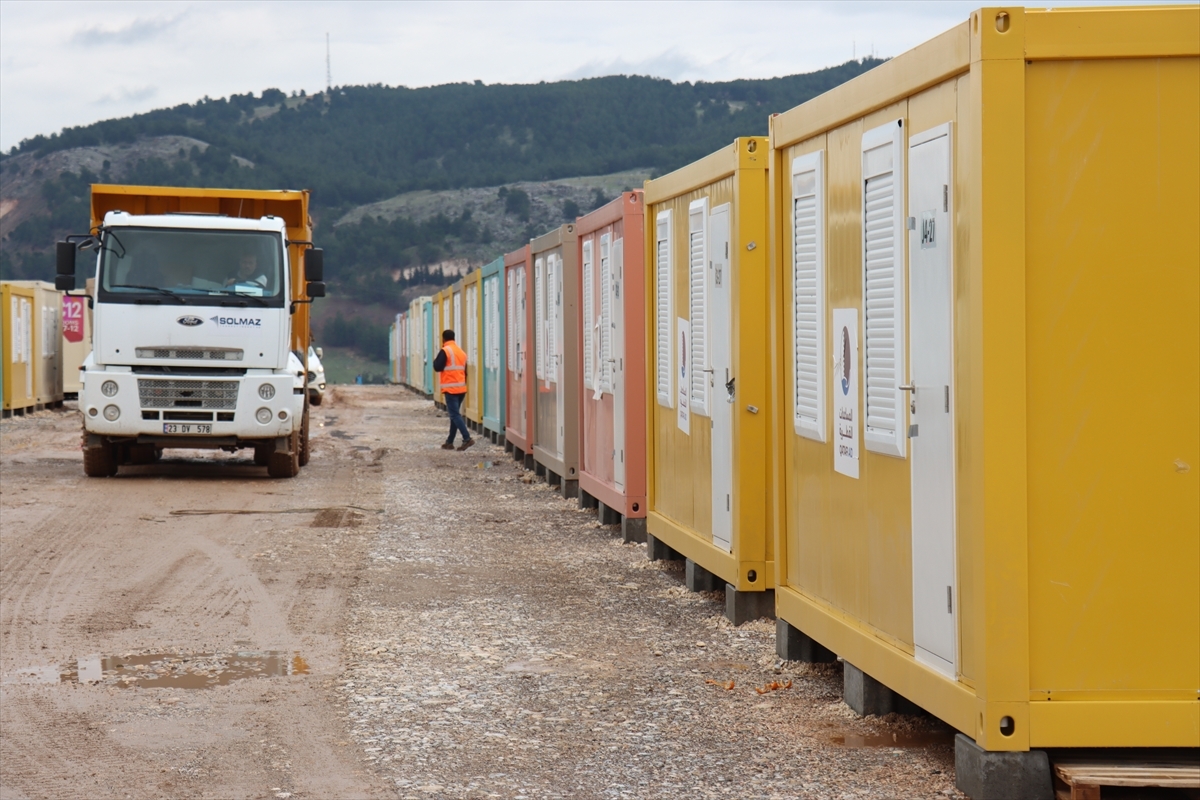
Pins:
<point x="912" y="431"/>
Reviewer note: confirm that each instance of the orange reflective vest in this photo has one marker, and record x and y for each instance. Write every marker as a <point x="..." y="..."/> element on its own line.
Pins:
<point x="454" y="374"/>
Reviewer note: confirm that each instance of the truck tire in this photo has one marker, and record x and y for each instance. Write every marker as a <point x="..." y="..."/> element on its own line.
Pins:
<point x="100" y="461"/>
<point x="262" y="453"/>
<point x="314" y="396"/>
<point x="286" y="464"/>
<point x="304" y="450"/>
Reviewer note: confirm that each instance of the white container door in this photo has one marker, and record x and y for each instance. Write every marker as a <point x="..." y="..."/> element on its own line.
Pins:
<point x="617" y="304"/>
<point x="723" y="387"/>
<point x="560" y="389"/>
<point x="931" y="401"/>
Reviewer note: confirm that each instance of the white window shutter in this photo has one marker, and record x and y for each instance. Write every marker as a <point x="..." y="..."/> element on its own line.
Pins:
<point x="808" y="295"/>
<point x="472" y="323"/>
<point x="522" y="329"/>
<point x="606" y="336"/>
<point x="510" y="319"/>
<point x="496" y="329"/>
<point x="698" y="304"/>
<point x="539" y="316"/>
<point x="663" y="310"/>
<point x="589" y="315"/>
<point x="551" y="365"/>
<point x="883" y="289"/>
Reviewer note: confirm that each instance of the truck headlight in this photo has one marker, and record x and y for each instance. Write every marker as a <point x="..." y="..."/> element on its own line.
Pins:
<point x="111" y="413"/>
<point x="266" y="391"/>
<point x="109" y="388"/>
<point x="263" y="415"/>
<point x="312" y="376"/>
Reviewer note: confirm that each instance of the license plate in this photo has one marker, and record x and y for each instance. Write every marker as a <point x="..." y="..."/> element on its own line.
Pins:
<point x="179" y="427"/>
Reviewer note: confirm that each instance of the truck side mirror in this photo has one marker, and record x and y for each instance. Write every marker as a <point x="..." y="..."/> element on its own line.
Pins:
<point x="314" y="266"/>
<point x="64" y="283"/>
<point x="64" y="256"/>
<point x="315" y="289"/>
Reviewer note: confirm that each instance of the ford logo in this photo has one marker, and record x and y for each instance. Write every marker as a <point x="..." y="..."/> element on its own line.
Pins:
<point x="190" y="321"/>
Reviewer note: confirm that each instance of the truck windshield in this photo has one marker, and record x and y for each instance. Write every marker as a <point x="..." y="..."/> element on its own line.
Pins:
<point x="191" y="267"/>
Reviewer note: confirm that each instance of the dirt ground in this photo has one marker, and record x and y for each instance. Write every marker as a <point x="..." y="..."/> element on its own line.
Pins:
<point x="398" y="621"/>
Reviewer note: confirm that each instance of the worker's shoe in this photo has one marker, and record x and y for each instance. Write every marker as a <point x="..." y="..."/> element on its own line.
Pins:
<point x="466" y="444"/>
<point x="448" y="446"/>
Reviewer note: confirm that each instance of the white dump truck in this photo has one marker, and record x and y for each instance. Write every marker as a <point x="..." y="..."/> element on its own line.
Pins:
<point x="200" y="324"/>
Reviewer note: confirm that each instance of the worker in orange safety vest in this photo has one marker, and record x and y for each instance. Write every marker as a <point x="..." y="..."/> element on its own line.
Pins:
<point x="451" y="363"/>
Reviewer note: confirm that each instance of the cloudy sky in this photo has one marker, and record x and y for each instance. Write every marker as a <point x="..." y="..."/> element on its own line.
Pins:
<point x="72" y="63"/>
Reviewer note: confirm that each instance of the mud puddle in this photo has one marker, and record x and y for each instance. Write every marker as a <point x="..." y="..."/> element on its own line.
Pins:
<point x="169" y="670"/>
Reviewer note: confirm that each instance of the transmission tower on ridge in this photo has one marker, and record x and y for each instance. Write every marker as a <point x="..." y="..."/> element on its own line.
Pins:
<point x="328" y="69"/>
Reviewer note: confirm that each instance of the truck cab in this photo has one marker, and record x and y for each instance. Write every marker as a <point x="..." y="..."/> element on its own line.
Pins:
<point x="197" y="339"/>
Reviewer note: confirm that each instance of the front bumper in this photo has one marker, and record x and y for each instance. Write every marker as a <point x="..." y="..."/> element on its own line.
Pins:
<point x="139" y="415"/>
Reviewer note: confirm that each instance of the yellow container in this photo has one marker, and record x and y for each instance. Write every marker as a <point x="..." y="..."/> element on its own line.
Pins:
<point x="469" y="340"/>
<point x="708" y="398"/>
<point x="442" y="320"/>
<point x="1010" y="537"/>
<point x="47" y="343"/>
<point x="18" y="306"/>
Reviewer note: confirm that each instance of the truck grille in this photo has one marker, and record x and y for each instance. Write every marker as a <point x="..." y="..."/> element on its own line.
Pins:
<point x="157" y="393"/>
<point x="192" y="353"/>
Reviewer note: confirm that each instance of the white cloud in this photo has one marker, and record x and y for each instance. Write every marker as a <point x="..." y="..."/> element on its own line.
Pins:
<point x="135" y="31"/>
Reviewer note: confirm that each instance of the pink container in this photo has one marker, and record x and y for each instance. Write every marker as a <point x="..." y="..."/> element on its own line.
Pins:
<point x="518" y="368"/>
<point x="612" y="383"/>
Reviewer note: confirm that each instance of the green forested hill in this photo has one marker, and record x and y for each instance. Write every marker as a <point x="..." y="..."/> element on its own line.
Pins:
<point x="364" y="143"/>
<point x="397" y="174"/>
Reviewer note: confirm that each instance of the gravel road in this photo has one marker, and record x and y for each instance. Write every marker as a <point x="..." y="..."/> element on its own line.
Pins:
<point x="399" y="621"/>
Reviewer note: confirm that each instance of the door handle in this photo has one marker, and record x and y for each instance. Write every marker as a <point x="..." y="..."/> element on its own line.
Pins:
<point x="907" y="387"/>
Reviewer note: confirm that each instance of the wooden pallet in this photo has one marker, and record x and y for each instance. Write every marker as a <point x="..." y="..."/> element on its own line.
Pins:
<point x="1082" y="779"/>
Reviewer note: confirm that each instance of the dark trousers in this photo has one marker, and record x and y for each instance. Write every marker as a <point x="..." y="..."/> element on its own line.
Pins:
<point x="457" y="423"/>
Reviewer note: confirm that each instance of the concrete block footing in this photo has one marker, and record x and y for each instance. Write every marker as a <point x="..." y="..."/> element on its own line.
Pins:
<point x="633" y="530"/>
<point x="792" y="645"/>
<point x="568" y="488"/>
<point x="869" y="697"/>
<point x="608" y="516"/>
<point x="527" y="460"/>
<point x="698" y="579"/>
<point x="987" y="775"/>
<point x="538" y="469"/>
<point x="586" y="500"/>
<point x="658" y="550"/>
<point x="743" y="607"/>
<point x="509" y="448"/>
<point x="552" y="477"/>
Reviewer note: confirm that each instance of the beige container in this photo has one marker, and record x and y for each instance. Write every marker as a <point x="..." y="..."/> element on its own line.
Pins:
<point x="47" y="356"/>
<point x="556" y="345"/>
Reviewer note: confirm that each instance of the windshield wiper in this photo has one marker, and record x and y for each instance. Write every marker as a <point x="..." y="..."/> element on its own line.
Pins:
<point x="242" y="298"/>
<point x="158" y="289"/>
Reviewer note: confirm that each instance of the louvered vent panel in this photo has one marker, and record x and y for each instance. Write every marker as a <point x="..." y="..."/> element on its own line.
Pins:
<point x="879" y="302"/>
<point x="539" y="317"/>
<point x="807" y="310"/>
<point x="662" y="312"/>
<point x="589" y="316"/>
<point x="698" y="312"/>
<point x="606" y="320"/>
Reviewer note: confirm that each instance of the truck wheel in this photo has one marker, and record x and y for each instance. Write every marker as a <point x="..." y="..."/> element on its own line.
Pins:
<point x="262" y="453"/>
<point x="314" y="396"/>
<point x="286" y="464"/>
<point x="304" y="451"/>
<point x="100" y="461"/>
